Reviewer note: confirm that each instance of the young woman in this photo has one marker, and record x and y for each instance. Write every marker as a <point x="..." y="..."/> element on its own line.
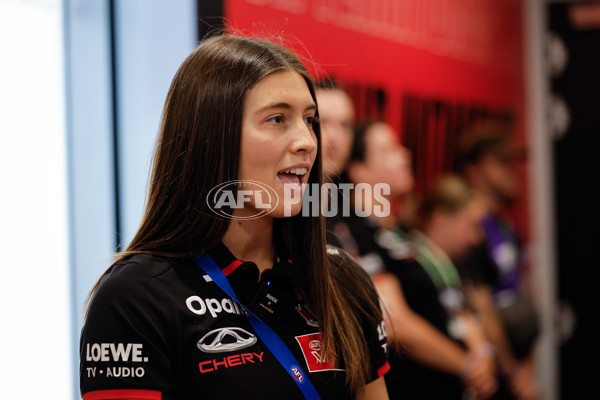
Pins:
<point x="162" y="323"/>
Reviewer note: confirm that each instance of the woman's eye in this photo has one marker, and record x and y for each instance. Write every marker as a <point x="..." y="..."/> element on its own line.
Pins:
<point x="309" y="120"/>
<point x="276" y="119"/>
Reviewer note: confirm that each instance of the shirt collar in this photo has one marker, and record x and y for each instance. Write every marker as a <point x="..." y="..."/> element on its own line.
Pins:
<point x="230" y="263"/>
<point x="224" y="259"/>
<point x="244" y="275"/>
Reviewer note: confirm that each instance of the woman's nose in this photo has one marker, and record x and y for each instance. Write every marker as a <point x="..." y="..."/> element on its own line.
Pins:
<point x="304" y="138"/>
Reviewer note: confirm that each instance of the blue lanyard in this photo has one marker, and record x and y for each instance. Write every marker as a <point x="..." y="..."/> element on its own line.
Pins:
<point x="266" y="334"/>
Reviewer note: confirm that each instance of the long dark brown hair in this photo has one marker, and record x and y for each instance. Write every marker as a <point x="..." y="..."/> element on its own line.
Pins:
<point x="199" y="147"/>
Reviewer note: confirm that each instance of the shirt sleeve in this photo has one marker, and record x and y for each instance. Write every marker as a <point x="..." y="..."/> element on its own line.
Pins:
<point x="124" y="345"/>
<point x="372" y="322"/>
<point x="376" y="337"/>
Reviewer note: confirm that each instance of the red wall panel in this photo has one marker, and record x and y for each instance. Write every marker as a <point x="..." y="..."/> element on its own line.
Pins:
<point x="460" y="53"/>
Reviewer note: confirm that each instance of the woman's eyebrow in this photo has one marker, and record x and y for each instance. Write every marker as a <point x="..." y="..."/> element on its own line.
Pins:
<point x="284" y="105"/>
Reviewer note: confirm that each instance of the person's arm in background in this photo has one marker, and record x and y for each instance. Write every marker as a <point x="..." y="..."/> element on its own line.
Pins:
<point x="427" y="345"/>
<point x="520" y="374"/>
<point x="477" y="343"/>
<point x="524" y="385"/>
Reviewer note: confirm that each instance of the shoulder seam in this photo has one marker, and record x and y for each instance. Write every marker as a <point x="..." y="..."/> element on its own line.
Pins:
<point x="152" y="276"/>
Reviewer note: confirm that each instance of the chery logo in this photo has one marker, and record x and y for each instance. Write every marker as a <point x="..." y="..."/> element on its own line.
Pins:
<point x="226" y="339"/>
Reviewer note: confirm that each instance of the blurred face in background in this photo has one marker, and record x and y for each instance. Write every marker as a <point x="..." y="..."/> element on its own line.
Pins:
<point x="336" y="114"/>
<point x="457" y="233"/>
<point x="501" y="177"/>
<point x="386" y="161"/>
<point x="495" y="176"/>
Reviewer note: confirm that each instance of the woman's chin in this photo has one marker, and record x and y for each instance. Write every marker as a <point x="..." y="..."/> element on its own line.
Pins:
<point x="291" y="211"/>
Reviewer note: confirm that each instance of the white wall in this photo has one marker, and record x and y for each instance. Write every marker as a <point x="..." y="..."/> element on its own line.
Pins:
<point x="36" y="356"/>
<point x="57" y="164"/>
<point x="153" y="38"/>
<point x="90" y="152"/>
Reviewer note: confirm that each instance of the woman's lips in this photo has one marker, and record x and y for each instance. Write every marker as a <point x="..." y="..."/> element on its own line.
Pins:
<point x="293" y="175"/>
<point x="286" y="178"/>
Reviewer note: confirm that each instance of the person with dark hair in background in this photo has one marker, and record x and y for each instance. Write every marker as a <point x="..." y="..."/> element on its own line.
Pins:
<point x="437" y="362"/>
<point x="377" y="157"/>
<point x="487" y="158"/>
<point x="256" y="306"/>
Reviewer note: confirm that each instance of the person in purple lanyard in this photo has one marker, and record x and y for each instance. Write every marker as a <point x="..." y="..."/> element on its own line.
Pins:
<point x="227" y="290"/>
<point x="487" y="158"/>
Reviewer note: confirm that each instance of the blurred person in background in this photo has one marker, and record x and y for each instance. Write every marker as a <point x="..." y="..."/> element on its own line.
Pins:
<point x="377" y="157"/>
<point x="440" y="366"/>
<point x="336" y="116"/>
<point x="487" y="158"/>
<point x="447" y="355"/>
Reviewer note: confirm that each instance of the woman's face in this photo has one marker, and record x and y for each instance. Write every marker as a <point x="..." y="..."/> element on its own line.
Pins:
<point x="387" y="160"/>
<point x="336" y="115"/>
<point x="460" y="232"/>
<point x="278" y="144"/>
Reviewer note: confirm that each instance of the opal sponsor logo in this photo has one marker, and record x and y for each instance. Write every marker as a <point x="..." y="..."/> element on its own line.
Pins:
<point x="231" y="361"/>
<point x="226" y="339"/>
<point x="200" y="306"/>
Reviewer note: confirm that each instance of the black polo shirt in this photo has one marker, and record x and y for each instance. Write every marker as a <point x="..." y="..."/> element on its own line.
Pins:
<point x="159" y="328"/>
